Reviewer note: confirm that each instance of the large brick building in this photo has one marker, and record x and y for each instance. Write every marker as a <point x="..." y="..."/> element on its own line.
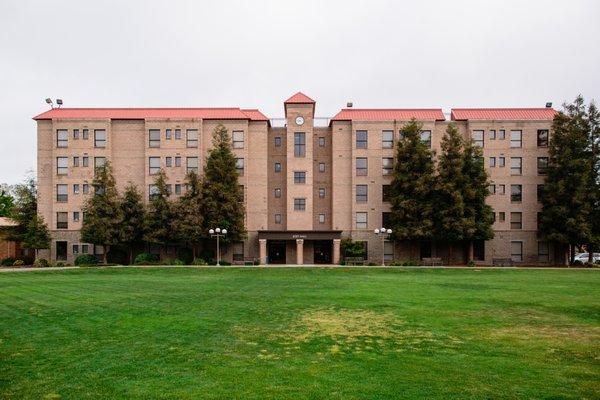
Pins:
<point x="307" y="184"/>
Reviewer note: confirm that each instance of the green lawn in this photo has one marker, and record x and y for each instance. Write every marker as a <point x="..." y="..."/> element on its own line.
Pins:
<point x="252" y="333"/>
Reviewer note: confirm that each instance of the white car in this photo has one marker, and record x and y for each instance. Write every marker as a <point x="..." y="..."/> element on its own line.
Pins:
<point x="584" y="257"/>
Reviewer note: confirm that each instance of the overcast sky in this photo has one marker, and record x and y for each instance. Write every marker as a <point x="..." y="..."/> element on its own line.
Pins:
<point x="257" y="53"/>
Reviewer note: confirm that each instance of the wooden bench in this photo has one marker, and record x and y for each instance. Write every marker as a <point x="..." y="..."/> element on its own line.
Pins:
<point x="431" y="261"/>
<point x="502" y="262"/>
<point x="355" y="261"/>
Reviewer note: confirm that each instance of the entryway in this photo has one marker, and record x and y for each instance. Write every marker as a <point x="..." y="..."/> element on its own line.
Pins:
<point x="276" y="251"/>
<point x="322" y="250"/>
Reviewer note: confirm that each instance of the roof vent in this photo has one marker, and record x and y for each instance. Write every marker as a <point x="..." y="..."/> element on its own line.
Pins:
<point x="549" y="104"/>
<point x="349" y="104"/>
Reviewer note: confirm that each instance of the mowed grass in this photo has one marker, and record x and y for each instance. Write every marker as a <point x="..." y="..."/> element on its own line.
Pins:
<point x="292" y="333"/>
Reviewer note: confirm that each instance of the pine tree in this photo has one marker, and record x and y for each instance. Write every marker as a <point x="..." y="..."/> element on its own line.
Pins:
<point x="593" y="117"/>
<point x="160" y="214"/>
<point x="101" y="212"/>
<point x="37" y="235"/>
<point x="24" y="210"/>
<point x="412" y="187"/>
<point x="133" y="215"/>
<point x="222" y="197"/>
<point x="188" y="224"/>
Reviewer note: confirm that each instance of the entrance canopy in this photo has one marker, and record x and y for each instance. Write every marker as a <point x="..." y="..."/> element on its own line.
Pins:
<point x="293" y="235"/>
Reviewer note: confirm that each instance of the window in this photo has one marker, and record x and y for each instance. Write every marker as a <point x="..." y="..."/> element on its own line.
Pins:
<point x="516" y="251"/>
<point x="365" y="246"/>
<point x="99" y="162"/>
<point x="501" y="134"/>
<point x="62" y="220"/>
<point x="492" y="161"/>
<point x="178" y="189"/>
<point x="169" y="161"/>
<point x="516" y="193"/>
<point x="501" y="189"/>
<point x="99" y="138"/>
<point x="85" y="161"/>
<point x="177" y="134"/>
<point x="361" y="139"/>
<point x="386" y="192"/>
<point x="61" y="250"/>
<point x="238" y="251"/>
<point x="542" y="137"/>
<point x="300" y="204"/>
<point x="62" y="193"/>
<point x="62" y="138"/>
<point x="85" y="134"/>
<point x="492" y="134"/>
<point x="168" y="134"/>
<point x="516" y="166"/>
<point x="76" y="188"/>
<point x="76" y="161"/>
<point x="387" y="139"/>
<point x="84" y="249"/>
<point x="321" y="218"/>
<point x="192" y="137"/>
<point x="277" y="167"/>
<point x="387" y="165"/>
<point x="321" y="141"/>
<point x="277" y="141"/>
<point x="238" y="139"/>
<point x="86" y="188"/>
<point x="361" y="166"/>
<point x="478" y="138"/>
<point x="426" y="138"/>
<point x="153" y="191"/>
<point x="540" y="193"/>
<point x="543" y="252"/>
<point x="75" y="134"/>
<point x="321" y="167"/>
<point x="277" y="218"/>
<point x="388" y="250"/>
<point x="192" y="164"/>
<point x="516" y="220"/>
<point x="299" y="144"/>
<point x="362" y="193"/>
<point x="299" y="177"/>
<point x="501" y="216"/>
<point x="153" y="165"/>
<point x="492" y="189"/>
<point x="516" y="139"/>
<point x="322" y="193"/>
<point x="277" y="193"/>
<point x="62" y="165"/>
<point x="501" y="161"/>
<point x="75" y="249"/>
<point x="154" y="135"/>
<point x="76" y="216"/>
<point x="178" y="161"/>
<point x="239" y="166"/>
<point x="361" y="220"/>
<point x="386" y="219"/>
<point x="542" y="165"/>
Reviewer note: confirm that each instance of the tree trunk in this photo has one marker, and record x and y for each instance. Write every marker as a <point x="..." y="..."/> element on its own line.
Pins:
<point x="130" y="255"/>
<point x="105" y="250"/>
<point x="471" y="254"/>
<point x="590" y="248"/>
<point x="450" y="252"/>
<point x="193" y="252"/>
<point x="572" y="255"/>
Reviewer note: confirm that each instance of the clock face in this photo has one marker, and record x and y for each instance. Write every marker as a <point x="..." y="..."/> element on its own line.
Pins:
<point x="299" y="120"/>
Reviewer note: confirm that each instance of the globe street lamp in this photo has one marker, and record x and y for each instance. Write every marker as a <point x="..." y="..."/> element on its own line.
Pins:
<point x="218" y="233"/>
<point x="383" y="234"/>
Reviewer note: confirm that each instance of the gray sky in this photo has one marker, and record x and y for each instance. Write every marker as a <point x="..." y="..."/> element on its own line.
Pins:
<point x="257" y="53"/>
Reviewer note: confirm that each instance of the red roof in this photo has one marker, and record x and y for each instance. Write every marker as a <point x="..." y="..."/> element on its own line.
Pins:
<point x="381" y="114"/>
<point x="151" y="113"/>
<point x="300" y="98"/>
<point x="461" y="114"/>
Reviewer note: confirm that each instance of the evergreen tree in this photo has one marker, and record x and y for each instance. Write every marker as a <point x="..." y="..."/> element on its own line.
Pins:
<point x="133" y="215"/>
<point x="6" y="203"/>
<point x="37" y="235"/>
<point x="101" y="211"/>
<point x="412" y="187"/>
<point x="24" y="210"/>
<point x="222" y="197"/>
<point x="188" y="224"/>
<point x="160" y="213"/>
<point x="593" y="116"/>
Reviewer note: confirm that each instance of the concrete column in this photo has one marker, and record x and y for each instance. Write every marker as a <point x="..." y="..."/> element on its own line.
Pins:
<point x="336" y="251"/>
<point x="262" y="252"/>
<point x="299" y="251"/>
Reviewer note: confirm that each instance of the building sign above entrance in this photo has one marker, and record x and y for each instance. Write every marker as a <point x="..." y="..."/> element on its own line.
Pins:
<point x="293" y="235"/>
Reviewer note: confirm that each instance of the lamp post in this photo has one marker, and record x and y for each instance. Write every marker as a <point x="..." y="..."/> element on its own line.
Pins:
<point x="218" y="233"/>
<point x="383" y="234"/>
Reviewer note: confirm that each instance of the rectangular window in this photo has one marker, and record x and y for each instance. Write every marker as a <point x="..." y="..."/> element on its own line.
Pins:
<point x="299" y="177"/>
<point x="492" y="161"/>
<point x="178" y="161"/>
<point x="299" y="144"/>
<point x="322" y="193"/>
<point x="277" y="193"/>
<point x="540" y="193"/>
<point x="543" y="252"/>
<point x="177" y="134"/>
<point x="76" y="216"/>
<point x="426" y="138"/>
<point x="62" y="220"/>
<point x="361" y="139"/>
<point x="321" y="141"/>
<point x="277" y="141"/>
<point x="99" y="162"/>
<point x="321" y="218"/>
<point x="516" y="139"/>
<point x="501" y="161"/>
<point x="492" y="134"/>
<point x="239" y="166"/>
<point x="62" y="193"/>
<point x="84" y="249"/>
<point x="386" y="219"/>
<point x="61" y="250"/>
<point x="516" y="251"/>
<point x="62" y="165"/>
<point x="542" y="137"/>
<point x="386" y="192"/>
<point x="154" y="138"/>
<point x="76" y="161"/>
<point x="76" y="188"/>
<point x="516" y="220"/>
<point x="75" y="134"/>
<point x="75" y="249"/>
<point x="178" y="189"/>
<point x="478" y="139"/>
<point x="362" y="193"/>
<point x="192" y="164"/>
<point x="152" y="191"/>
<point x="85" y="134"/>
<point x="85" y="161"/>
<point x="99" y="138"/>
<point x="238" y="139"/>
<point x="516" y="166"/>
<point x="153" y="165"/>
<point x="501" y="189"/>
<point x="387" y="139"/>
<point x="501" y="134"/>
<point x="501" y="216"/>
<point x="277" y="218"/>
<point x="388" y="250"/>
<point x="62" y="138"/>
<point x="542" y="165"/>
<point x="277" y="167"/>
<point x="86" y="188"/>
<point x="387" y="165"/>
<point x="238" y="251"/>
<point x="168" y="134"/>
<point x="361" y="220"/>
<point x="361" y="166"/>
<point x="321" y="167"/>
<point x="192" y="137"/>
<point x="169" y="161"/>
<point x="492" y="189"/>
<point x="299" y="204"/>
<point x="516" y="193"/>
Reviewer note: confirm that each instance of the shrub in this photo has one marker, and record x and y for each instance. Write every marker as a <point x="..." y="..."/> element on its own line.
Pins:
<point x="86" y="259"/>
<point x="177" y="261"/>
<point x="28" y="260"/>
<point x="117" y="255"/>
<point x="577" y="262"/>
<point x="224" y="263"/>
<point x="184" y="254"/>
<point x="199" y="261"/>
<point x="146" y="259"/>
<point x="471" y="263"/>
<point x="207" y="254"/>
<point x="18" y="263"/>
<point x="61" y="264"/>
<point x="8" y="261"/>
<point x="41" y="263"/>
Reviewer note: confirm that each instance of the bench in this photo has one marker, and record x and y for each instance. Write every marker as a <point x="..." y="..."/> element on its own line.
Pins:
<point x="502" y="262"/>
<point x="431" y="261"/>
<point x="355" y="261"/>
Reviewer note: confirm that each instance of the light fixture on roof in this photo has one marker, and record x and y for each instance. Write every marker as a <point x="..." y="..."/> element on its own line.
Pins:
<point x="549" y="104"/>
<point x="59" y="102"/>
<point x="49" y="101"/>
<point x="349" y="104"/>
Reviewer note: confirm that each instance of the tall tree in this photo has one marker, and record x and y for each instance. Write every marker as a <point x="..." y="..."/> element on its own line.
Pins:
<point x="101" y="212"/>
<point x="133" y="214"/>
<point x="222" y="197"/>
<point x="593" y="116"/>
<point x="160" y="214"/>
<point x="6" y="203"/>
<point x="188" y="224"/>
<point x="412" y="187"/>
<point x="24" y="210"/>
<point x="37" y="235"/>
